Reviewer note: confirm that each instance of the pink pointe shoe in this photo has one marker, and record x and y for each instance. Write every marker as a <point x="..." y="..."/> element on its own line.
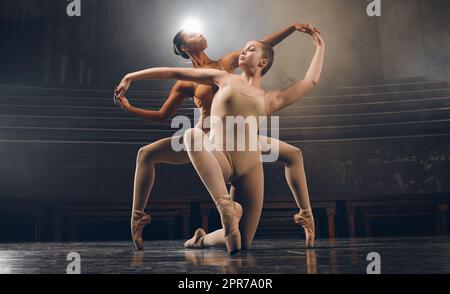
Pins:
<point x="196" y="242"/>
<point x="230" y="214"/>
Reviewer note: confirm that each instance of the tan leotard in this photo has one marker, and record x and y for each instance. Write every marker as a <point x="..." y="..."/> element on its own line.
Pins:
<point x="203" y="97"/>
<point x="230" y="100"/>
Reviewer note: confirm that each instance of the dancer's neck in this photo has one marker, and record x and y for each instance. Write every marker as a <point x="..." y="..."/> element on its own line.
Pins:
<point x="251" y="79"/>
<point x="200" y="59"/>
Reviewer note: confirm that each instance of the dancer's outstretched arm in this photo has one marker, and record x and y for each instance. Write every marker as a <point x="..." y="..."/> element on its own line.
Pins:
<point x="272" y="39"/>
<point x="278" y="100"/>
<point x="200" y="75"/>
<point x="180" y="91"/>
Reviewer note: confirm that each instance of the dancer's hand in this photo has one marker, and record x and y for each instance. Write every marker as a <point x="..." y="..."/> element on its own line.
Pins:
<point x="123" y="86"/>
<point x="317" y="39"/>
<point x="123" y="102"/>
<point x="306" y="28"/>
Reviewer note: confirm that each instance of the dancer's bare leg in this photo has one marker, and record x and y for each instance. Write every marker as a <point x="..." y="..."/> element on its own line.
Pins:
<point x="294" y="169"/>
<point x="292" y="157"/>
<point x="215" y="171"/>
<point x="148" y="156"/>
<point x="250" y="193"/>
<point x="249" y="190"/>
<point x="216" y="238"/>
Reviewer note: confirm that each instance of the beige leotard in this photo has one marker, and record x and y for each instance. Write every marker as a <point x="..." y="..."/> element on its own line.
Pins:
<point x="232" y="101"/>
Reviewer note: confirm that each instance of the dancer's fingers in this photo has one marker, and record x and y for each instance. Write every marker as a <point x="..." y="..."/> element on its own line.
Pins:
<point x="117" y="89"/>
<point x="303" y="28"/>
<point x="311" y="29"/>
<point x="120" y="91"/>
<point x="123" y="102"/>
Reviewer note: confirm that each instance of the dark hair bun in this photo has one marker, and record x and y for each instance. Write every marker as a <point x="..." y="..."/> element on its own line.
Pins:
<point x="177" y="43"/>
<point x="175" y="50"/>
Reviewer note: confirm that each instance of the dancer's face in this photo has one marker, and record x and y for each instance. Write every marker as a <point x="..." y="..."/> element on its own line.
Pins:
<point x="194" y="42"/>
<point x="252" y="57"/>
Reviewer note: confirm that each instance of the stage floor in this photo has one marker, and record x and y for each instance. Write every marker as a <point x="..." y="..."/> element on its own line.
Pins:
<point x="398" y="255"/>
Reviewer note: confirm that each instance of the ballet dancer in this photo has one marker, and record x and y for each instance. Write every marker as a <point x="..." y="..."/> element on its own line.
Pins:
<point x="192" y="46"/>
<point x="242" y="168"/>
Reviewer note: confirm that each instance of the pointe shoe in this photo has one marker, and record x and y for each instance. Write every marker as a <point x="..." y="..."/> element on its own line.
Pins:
<point x="230" y="214"/>
<point x="306" y="220"/>
<point x="196" y="242"/>
<point x="138" y="222"/>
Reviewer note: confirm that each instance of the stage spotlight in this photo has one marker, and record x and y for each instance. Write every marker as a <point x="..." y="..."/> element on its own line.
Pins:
<point x="191" y="25"/>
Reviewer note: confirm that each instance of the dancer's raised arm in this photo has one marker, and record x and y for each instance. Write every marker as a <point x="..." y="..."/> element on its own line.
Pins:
<point x="277" y="100"/>
<point x="199" y="75"/>
<point x="272" y="39"/>
<point x="276" y="38"/>
<point x="180" y="91"/>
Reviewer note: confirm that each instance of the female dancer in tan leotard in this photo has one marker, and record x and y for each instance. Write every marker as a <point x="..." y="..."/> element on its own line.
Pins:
<point x="239" y="95"/>
<point x="192" y="45"/>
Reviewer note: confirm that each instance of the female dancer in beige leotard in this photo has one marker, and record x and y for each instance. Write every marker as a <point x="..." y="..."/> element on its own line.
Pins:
<point x="192" y="45"/>
<point x="214" y="167"/>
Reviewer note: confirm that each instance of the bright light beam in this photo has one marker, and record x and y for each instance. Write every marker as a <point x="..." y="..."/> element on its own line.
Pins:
<point x="192" y="25"/>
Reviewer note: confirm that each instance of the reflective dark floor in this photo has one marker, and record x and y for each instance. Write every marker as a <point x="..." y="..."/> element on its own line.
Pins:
<point x="398" y="255"/>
